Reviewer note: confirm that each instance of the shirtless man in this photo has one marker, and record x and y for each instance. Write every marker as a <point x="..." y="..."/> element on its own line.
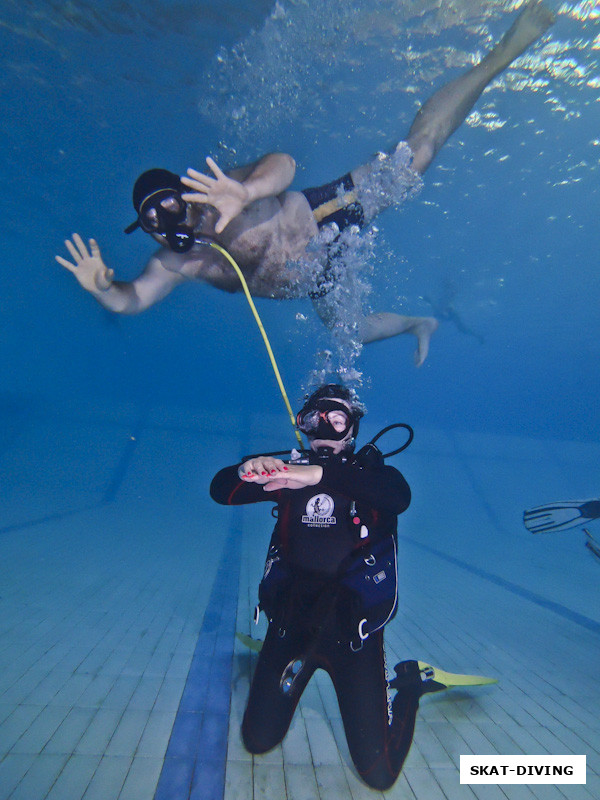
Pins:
<point x="266" y="228"/>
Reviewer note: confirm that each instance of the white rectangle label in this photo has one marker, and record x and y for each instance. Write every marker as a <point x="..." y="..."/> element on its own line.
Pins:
<point x="522" y="769"/>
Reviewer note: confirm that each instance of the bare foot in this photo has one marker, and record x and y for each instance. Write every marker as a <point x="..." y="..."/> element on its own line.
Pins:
<point x="384" y="325"/>
<point x="532" y="22"/>
<point x="423" y="330"/>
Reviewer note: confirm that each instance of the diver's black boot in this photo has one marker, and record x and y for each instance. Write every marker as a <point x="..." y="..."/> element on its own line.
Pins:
<point x="404" y="713"/>
<point x="407" y="675"/>
<point x="410" y="675"/>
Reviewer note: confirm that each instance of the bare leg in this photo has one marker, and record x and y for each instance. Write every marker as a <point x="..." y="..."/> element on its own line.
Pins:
<point x="445" y="111"/>
<point x="384" y="325"/>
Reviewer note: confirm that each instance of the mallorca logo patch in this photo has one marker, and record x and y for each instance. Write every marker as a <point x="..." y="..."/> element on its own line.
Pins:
<point x="319" y="512"/>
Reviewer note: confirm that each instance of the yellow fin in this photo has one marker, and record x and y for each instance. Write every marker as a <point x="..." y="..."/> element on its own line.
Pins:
<point x="450" y="679"/>
<point x="248" y="641"/>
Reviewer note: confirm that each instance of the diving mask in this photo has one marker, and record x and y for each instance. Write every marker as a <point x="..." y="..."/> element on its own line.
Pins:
<point x="165" y="213"/>
<point x="161" y="208"/>
<point x="326" y="419"/>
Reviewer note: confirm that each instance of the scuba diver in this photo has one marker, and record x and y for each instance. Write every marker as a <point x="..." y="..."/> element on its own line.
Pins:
<point x="290" y="243"/>
<point x="445" y="310"/>
<point x="330" y="586"/>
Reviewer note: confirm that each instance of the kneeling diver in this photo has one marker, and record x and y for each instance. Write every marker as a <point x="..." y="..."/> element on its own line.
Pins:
<point x="329" y="587"/>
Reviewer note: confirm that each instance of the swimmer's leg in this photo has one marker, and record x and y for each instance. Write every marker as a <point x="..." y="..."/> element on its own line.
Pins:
<point x="384" y="325"/>
<point x="446" y="110"/>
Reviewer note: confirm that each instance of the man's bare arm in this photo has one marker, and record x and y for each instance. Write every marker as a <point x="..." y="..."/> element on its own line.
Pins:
<point x="230" y="194"/>
<point x="149" y="288"/>
<point x="269" y="176"/>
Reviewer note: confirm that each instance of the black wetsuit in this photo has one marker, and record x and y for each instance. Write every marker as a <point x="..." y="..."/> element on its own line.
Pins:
<point x="318" y="528"/>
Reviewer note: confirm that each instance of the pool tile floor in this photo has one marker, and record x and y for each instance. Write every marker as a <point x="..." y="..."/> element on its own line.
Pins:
<point x="115" y="562"/>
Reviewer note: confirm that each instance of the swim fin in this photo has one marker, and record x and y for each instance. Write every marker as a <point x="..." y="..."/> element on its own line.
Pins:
<point x="251" y="644"/>
<point x="561" y="516"/>
<point x="434" y="679"/>
<point x="591" y="543"/>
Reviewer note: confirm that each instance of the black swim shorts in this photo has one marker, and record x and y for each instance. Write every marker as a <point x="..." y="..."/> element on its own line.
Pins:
<point x="333" y="202"/>
<point x="336" y="202"/>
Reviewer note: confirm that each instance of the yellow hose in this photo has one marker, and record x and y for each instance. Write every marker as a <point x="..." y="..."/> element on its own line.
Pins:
<point x="264" y="335"/>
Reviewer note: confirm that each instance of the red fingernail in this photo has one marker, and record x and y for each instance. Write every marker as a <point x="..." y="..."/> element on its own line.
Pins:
<point x="286" y="467"/>
<point x="263" y="473"/>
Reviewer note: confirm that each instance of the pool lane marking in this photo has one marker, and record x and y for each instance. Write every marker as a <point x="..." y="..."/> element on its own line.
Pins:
<point x="520" y="591"/>
<point x="110" y="493"/>
<point x="196" y="757"/>
<point x="124" y="462"/>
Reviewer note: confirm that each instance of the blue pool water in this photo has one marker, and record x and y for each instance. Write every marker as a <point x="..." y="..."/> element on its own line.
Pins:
<point x="507" y="218"/>
<point x="124" y="419"/>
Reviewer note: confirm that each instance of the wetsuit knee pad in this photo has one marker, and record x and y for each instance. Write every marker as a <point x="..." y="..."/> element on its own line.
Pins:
<point x="380" y="778"/>
<point x="384" y="772"/>
<point x="258" y="741"/>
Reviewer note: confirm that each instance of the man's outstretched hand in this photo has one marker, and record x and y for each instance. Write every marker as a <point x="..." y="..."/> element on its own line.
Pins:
<point x="88" y="267"/>
<point x="229" y="197"/>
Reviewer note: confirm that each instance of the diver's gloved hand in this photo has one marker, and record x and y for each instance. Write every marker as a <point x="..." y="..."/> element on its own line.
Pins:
<point x="89" y="268"/>
<point x="229" y="197"/>
<point x="273" y="474"/>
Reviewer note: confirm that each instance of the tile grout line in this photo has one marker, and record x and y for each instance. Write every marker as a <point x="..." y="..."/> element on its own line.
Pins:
<point x="520" y="591"/>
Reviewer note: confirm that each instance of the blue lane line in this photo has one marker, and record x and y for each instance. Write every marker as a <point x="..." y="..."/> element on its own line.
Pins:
<point x="520" y="591"/>
<point x="118" y="476"/>
<point x="194" y="766"/>
<point x="19" y="526"/>
<point x="110" y="493"/>
<point x="573" y="616"/>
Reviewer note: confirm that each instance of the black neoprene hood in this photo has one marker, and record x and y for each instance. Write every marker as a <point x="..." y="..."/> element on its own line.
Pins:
<point x="149" y="182"/>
